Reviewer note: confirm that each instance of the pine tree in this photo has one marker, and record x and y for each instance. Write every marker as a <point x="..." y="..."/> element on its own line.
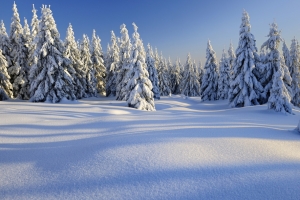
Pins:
<point x="5" y="85"/>
<point x="294" y="62"/>
<point x="125" y="48"/>
<point x="209" y="87"/>
<point x="245" y="89"/>
<point x="150" y="62"/>
<point x="163" y="78"/>
<point x="5" y="44"/>
<point x="49" y="76"/>
<point x="112" y="66"/>
<point x="231" y="59"/>
<point x="200" y="74"/>
<point x="224" y="77"/>
<point x="286" y="55"/>
<point x="97" y="59"/>
<point x="279" y="99"/>
<point x="190" y="84"/>
<point x="34" y="32"/>
<point x="90" y="74"/>
<point x="139" y="86"/>
<point x="72" y="52"/>
<point x="176" y="78"/>
<point x="170" y="70"/>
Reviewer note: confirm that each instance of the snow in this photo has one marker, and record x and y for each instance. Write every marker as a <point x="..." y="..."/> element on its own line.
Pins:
<point x="97" y="148"/>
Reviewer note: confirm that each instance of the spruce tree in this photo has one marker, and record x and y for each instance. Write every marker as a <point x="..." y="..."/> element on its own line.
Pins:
<point x="98" y="62"/>
<point x="112" y="66"/>
<point x="286" y="55"/>
<point x="90" y="74"/>
<point x="34" y="32"/>
<point x="139" y="85"/>
<point x="176" y="78"/>
<point x="224" y="77"/>
<point x="294" y="62"/>
<point x="231" y="59"/>
<point x="5" y="44"/>
<point x="125" y="49"/>
<point x="190" y="84"/>
<point x="245" y="89"/>
<point x="209" y="87"/>
<point x="72" y="52"/>
<point x="5" y="85"/>
<point x="49" y="76"/>
<point x="280" y="98"/>
<point x="163" y="78"/>
<point x="200" y="74"/>
<point x="150" y="62"/>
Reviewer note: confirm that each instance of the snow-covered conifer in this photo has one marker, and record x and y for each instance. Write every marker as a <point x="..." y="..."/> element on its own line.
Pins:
<point x="209" y="87"/>
<point x="245" y="89"/>
<point x="224" y="77"/>
<point x="294" y="62"/>
<point x="280" y="98"/>
<point x="5" y="43"/>
<point x="34" y="32"/>
<point x="125" y="50"/>
<point x="163" y="78"/>
<point x="190" y="84"/>
<point x="286" y="55"/>
<point x="150" y="62"/>
<point x="72" y="52"/>
<point x="5" y="85"/>
<point x="98" y="62"/>
<point x="200" y="73"/>
<point x="176" y="78"/>
<point x="139" y="86"/>
<point x="49" y="76"/>
<point x="91" y="81"/>
<point x="112" y="66"/>
<point x="231" y="58"/>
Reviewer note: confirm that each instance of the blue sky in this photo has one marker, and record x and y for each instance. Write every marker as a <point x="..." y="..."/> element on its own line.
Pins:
<point x="174" y="27"/>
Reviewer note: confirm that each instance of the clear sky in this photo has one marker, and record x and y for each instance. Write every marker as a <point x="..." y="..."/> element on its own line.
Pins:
<point x="175" y="27"/>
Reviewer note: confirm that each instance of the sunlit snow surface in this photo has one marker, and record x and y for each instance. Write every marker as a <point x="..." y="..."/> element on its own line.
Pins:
<point x="98" y="148"/>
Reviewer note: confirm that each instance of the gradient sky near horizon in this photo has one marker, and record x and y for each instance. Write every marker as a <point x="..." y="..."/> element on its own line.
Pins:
<point x="175" y="27"/>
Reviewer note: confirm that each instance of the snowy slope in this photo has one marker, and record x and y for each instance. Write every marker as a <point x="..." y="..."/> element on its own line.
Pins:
<point x="98" y="148"/>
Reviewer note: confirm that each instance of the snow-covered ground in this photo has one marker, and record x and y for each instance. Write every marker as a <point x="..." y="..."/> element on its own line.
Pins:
<point x="100" y="149"/>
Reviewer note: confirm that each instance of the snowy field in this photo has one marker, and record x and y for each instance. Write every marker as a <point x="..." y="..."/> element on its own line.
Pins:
<point x="100" y="149"/>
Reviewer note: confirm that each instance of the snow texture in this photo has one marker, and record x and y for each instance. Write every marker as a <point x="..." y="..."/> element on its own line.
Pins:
<point x="150" y="62"/>
<point x="209" y="87"/>
<point x="245" y="89"/>
<point x="138" y="85"/>
<point x="98" y="148"/>
<point x="49" y="77"/>
<point x="280" y="98"/>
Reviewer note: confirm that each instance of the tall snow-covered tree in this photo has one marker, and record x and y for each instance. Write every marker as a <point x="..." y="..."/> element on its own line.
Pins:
<point x="90" y="74"/>
<point x="294" y="61"/>
<point x="98" y="62"/>
<point x="280" y="98"/>
<point x="209" y="87"/>
<point x="231" y="58"/>
<point x="5" y="44"/>
<point x="163" y="78"/>
<point x="176" y="78"/>
<point x="125" y="49"/>
<point x="170" y="70"/>
<point x="113" y="63"/>
<point x="224" y="77"/>
<point x="286" y="55"/>
<point x="200" y="73"/>
<point x="34" y="32"/>
<point x="5" y="85"/>
<point x="49" y="75"/>
<point x="245" y="89"/>
<point x="139" y="86"/>
<point x="150" y="62"/>
<point x="79" y="73"/>
<point x="190" y="84"/>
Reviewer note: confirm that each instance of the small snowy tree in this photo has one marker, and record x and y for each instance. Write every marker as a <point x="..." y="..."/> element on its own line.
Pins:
<point x="209" y="87"/>
<point x="150" y="62"/>
<point x="176" y="78"/>
<point x="200" y="74"/>
<point x="72" y="52"/>
<point x="245" y="89"/>
<point x="294" y="61"/>
<point x="5" y="44"/>
<point x="231" y="58"/>
<point x="113" y="62"/>
<point x="224" y="77"/>
<point x="125" y="49"/>
<point x="5" y="85"/>
<point x="286" y="55"/>
<point x="91" y="81"/>
<point x="49" y="76"/>
<point x="97" y="59"/>
<point x="163" y="78"/>
<point x="139" y="86"/>
<point x="190" y="84"/>
<point x="279" y="99"/>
